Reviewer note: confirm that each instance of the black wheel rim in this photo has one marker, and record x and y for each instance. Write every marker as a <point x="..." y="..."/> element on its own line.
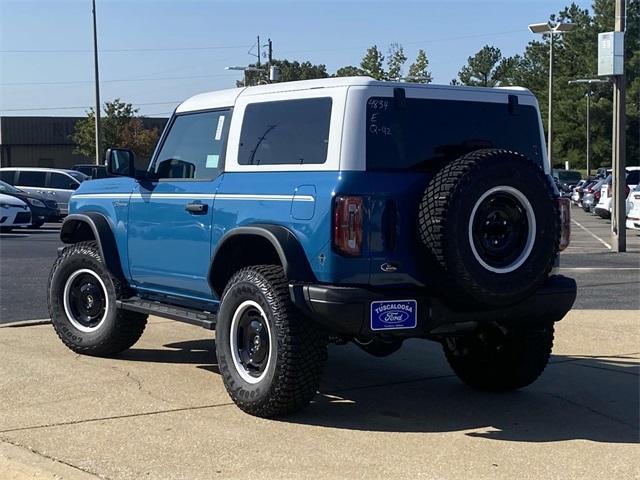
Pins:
<point x="86" y="300"/>
<point x="500" y="229"/>
<point x="252" y="342"/>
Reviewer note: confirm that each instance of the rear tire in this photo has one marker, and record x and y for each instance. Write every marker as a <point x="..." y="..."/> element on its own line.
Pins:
<point x="82" y="304"/>
<point x="498" y="360"/>
<point x="270" y="355"/>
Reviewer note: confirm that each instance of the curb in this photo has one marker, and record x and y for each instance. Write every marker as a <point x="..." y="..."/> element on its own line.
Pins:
<point x="26" y="323"/>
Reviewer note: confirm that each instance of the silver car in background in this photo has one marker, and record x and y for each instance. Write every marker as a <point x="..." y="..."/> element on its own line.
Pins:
<point x="52" y="183"/>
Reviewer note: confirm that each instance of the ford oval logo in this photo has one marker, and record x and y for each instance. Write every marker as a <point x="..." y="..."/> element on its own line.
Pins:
<point x="394" y="316"/>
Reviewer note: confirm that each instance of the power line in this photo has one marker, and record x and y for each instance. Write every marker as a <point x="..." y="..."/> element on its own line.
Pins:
<point x="126" y="50"/>
<point x="121" y="80"/>
<point x="416" y="42"/>
<point x="82" y="106"/>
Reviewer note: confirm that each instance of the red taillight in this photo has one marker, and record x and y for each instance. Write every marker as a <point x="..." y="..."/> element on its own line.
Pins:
<point x="347" y="225"/>
<point x="627" y="190"/>
<point x="565" y="222"/>
<point x="596" y="195"/>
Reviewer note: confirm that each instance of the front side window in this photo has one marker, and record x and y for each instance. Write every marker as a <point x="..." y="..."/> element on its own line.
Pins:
<point x="289" y="132"/>
<point x="7" y="176"/>
<point x="62" y="181"/>
<point x="194" y="146"/>
<point x="30" y="178"/>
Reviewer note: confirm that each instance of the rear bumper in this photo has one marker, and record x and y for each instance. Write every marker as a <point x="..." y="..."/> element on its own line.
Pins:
<point x="345" y="310"/>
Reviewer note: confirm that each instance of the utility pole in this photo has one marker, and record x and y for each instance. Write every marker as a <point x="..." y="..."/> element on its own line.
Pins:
<point x="618" y="163"/>
<point x="258" y="62"/>
<point x="589" y="82"/>
<point x="550" y="119"/>
<point x="97" y="81"/>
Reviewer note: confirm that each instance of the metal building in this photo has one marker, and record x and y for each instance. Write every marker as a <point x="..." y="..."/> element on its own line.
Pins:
<point x="45" y="141"/>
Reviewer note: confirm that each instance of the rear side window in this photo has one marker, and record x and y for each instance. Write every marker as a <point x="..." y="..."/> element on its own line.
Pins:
<point x="28" y="178"/>
<point x="420" y="132"/>
<point x="194" y="146"/>
<point x="289" y="132"/>
<point x="633" y="177"/>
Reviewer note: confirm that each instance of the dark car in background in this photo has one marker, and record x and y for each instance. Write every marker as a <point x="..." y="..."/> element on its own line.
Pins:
<point x="566" y="180"/>
<point x="42" y="209"/>
<point x="91" y="170"/>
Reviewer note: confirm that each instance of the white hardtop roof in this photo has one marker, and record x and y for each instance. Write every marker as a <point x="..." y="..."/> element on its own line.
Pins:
<point x="227" y="98"/>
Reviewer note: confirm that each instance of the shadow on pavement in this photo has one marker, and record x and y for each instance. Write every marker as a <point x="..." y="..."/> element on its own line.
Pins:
<point x="586" y="398"/>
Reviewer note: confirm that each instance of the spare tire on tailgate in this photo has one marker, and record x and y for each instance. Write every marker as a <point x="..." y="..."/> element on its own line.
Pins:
<point x="491" y="226"/>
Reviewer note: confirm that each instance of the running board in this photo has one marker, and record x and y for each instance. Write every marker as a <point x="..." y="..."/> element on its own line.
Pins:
<point x="182" y="314"/>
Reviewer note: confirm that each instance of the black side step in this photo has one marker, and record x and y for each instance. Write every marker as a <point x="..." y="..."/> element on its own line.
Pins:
<point x="182" y="314"/>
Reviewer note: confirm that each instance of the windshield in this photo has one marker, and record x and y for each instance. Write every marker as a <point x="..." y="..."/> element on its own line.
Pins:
<point x="81" y="177"/>
<point x="6" y="188"/>
<point x="421" y="132"/>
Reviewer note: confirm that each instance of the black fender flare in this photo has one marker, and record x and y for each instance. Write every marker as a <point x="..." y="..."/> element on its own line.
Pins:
<point x="74" y="230"/>
<point x="292" y="257"/>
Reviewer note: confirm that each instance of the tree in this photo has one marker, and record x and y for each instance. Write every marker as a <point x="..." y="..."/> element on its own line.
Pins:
<point x="480" y="68"/>
<point x="396" y="59"/>
<point x="419" y="69"/>
<point x="372" y="63"/>
<point x="121" y="128"/>
<point x="349" y="71"/>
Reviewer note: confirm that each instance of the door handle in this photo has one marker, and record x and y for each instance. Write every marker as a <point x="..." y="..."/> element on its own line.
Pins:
<point x="196" y="207"/>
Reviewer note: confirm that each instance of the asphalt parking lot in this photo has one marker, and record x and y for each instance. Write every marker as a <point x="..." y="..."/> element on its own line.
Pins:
<point x="160" y="410"/>
<point x="605" y="281"/>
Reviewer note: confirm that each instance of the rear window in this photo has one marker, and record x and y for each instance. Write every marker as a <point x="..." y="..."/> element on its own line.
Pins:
<point x="289" y="132"/>
<point x="633" y="177"/>
<point x="569" y="176"/>
<point x="422" y="132"/>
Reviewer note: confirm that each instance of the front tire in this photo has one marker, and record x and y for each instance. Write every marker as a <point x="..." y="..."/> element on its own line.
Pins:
<point x="498" y="359"/>
<point x="82" y="304"/>
<point x="270" y="355"/>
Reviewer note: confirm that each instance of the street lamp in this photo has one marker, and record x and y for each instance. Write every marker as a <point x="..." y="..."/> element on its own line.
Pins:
<point x="273" y="71"/>
<point x="551" y="29"/>
<point x="588" y="82"/>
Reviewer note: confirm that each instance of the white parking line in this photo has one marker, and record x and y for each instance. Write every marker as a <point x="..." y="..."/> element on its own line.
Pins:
<point x="591" y="233"/>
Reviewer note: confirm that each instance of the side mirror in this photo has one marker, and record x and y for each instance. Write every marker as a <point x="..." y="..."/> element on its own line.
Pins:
<point x="120" y="162"/>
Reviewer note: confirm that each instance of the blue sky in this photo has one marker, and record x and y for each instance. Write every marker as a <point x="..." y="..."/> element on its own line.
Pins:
<point x="157" y="53"/>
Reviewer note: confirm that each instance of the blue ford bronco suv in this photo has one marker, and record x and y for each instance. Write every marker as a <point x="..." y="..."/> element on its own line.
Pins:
<point x="288" y="216"/>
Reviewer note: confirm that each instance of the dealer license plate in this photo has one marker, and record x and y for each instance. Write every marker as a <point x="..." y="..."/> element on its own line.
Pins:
<point x="394" y="314"/>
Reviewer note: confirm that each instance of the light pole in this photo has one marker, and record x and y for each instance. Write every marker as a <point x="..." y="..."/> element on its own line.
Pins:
<point x="273" y="71"/>
<point x="97" y="80"/>
<point x="551" y="29"/>
<point x="588" y="82"/>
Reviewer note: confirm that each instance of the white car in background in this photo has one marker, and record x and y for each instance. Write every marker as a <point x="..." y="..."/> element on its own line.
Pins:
<point x="13" y="213"/>
<point x="603" y="208"/>
<point x="633" y="209"/>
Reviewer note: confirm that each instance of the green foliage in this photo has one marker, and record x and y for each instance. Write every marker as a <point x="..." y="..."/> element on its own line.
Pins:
<point x="372" y="63"/>
<point x="121" y="128"/>
<point x="419" y="70"/>
<point x="396" y="59"/>
<point x="349" y="71"/>
<point x="480" y="70"/>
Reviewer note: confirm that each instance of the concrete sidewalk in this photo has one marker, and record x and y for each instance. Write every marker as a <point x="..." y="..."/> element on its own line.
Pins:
<point x="160" y="411"/>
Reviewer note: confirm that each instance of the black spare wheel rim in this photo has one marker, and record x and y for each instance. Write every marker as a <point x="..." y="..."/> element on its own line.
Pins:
<point x="250" y="341"/>
<point x="502" y="229"/>
<point x="85" y="300"/>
